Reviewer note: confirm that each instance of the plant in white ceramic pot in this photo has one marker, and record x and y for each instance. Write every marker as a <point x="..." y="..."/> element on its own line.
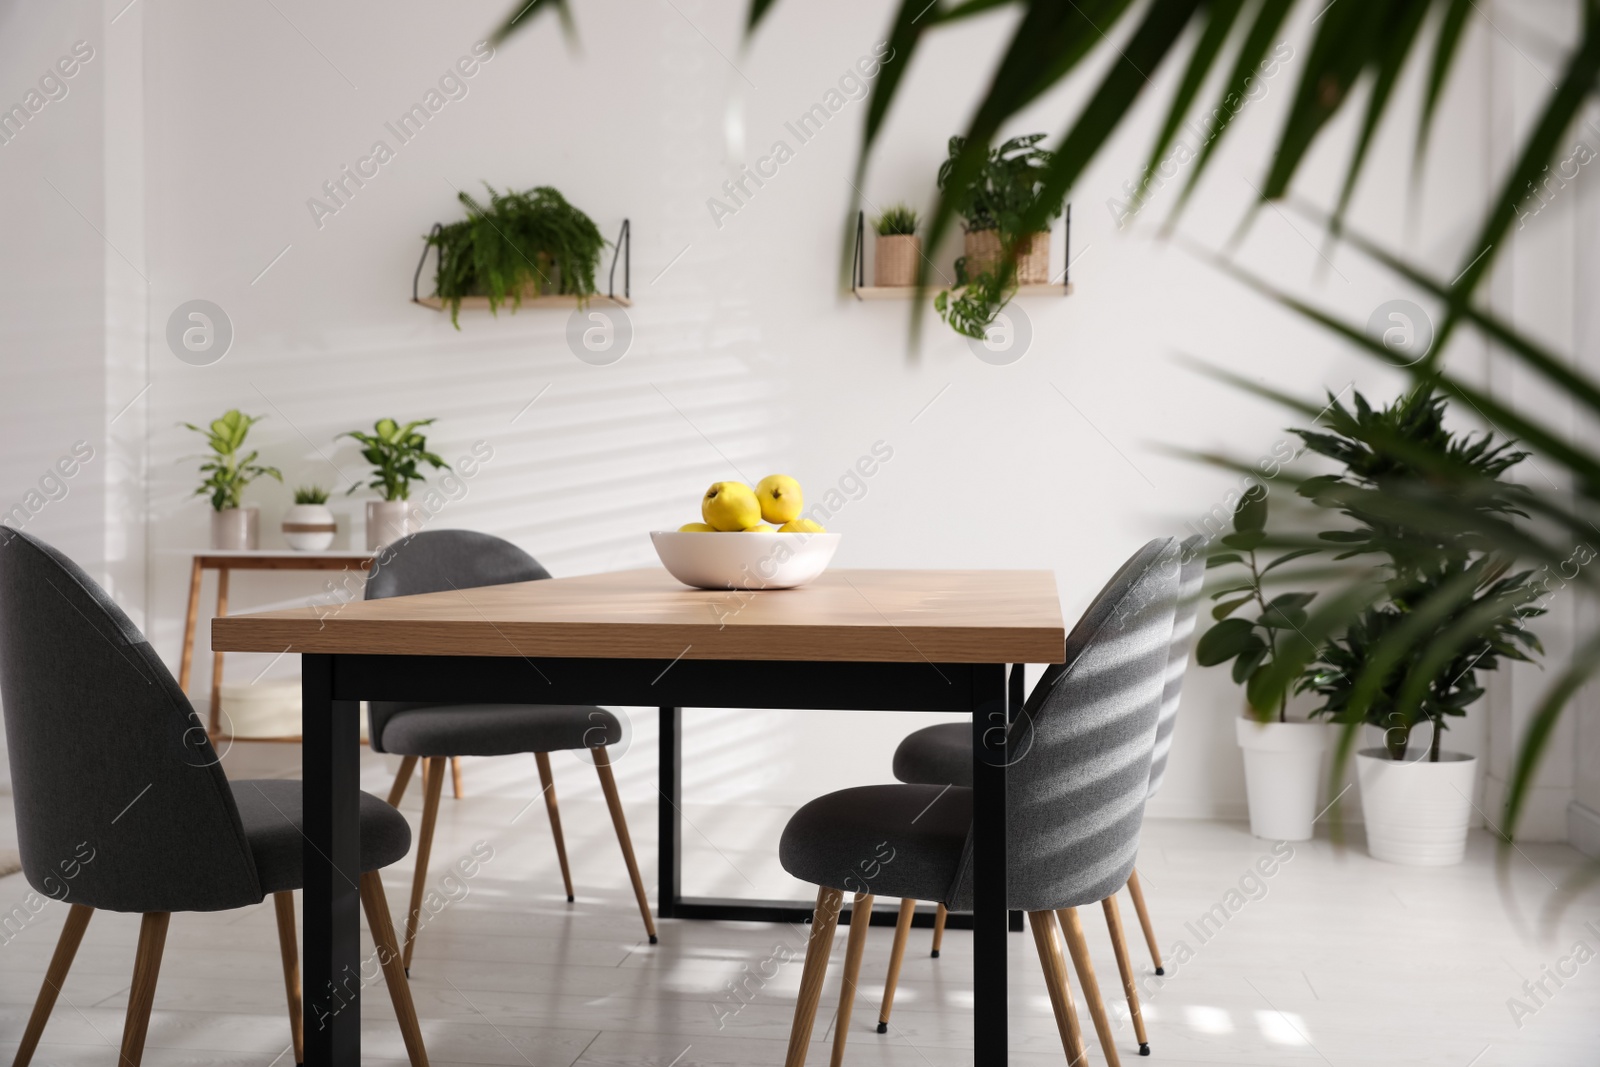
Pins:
<point x="394" y="450"/>
<point x="309" y="526"/>
<point x="1449" y="609"/>
<point x="1283" y="760"/>
<point x="233" y="526"/>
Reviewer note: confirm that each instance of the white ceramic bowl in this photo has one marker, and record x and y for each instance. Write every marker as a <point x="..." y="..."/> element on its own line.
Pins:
<point x="744" y="560"/>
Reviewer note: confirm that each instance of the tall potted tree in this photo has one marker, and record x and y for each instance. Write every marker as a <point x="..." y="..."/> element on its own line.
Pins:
<point x="234" y="527"/>
<point x="394" y="452"/>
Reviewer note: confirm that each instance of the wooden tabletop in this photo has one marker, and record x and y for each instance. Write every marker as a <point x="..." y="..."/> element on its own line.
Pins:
<point x="890" y="616"/>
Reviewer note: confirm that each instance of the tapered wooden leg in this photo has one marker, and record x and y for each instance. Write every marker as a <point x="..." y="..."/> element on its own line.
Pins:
<point x="376" y="905"/>
<point x="55" y="976"/>
<point x="938" y="929"/>
<point x="1047" y="939"/>
<point x="455" y="777"/>
<point x="216" y="657"/>
<point x="608" y="785"/>
<point x="1119" y="945"/>
<point x="402" y="779"/>
<point x="897" y="956"/>
<point x="547" y="783"/>
<point x="289" y="946"/>
<point x="1137" y="893"/>
<point x="1079" y="948"/>
<point x="860" y="923"/>
<point x="430" y="816"/>
<point x="146" y="968"/>
<point x="190" y="622"/>
<point x="818" y="947"/>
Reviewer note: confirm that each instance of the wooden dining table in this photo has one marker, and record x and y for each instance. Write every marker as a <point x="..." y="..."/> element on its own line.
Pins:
<point x="872" y="640"/>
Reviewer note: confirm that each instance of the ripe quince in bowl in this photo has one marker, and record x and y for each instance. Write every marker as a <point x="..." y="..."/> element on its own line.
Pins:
<point x="748" y="539"/>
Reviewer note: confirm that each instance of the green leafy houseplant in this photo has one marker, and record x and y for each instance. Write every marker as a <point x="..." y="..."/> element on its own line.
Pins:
<point x="527" y="243"/>
<point x="1004" y="196"/>
<point x="227" y="472"/>
<point x="898" y="220"/>
<point x="1437" y="583"/>
<point x="312" y="494"/>
<point x="394" y="452"/>
<point x="1252" y="644"/>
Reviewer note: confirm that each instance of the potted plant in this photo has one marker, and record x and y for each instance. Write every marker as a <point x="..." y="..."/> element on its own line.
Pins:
<point x="233" y="526"/>
<point x="309" y="526"/>
<point x="521" y="244"/>
<point x="1283" y="760"/>
<point x="1449" y="608"/>
<point x="899" y="249"/>
<point x="394" y="452"/>
<point x="999" y="256"/>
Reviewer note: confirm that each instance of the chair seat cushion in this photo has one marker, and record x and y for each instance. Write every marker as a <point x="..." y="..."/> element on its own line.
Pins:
<point x="273" y="814"/>
<point x="498" y="729"/>
<point x="936" y="755"/>
<point x="889" y="840"/>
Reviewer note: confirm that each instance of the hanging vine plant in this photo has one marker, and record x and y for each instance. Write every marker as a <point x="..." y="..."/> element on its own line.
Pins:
<point x="531" y="243"/>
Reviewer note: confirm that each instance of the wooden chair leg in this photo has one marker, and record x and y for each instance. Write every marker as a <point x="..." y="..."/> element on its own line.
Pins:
<point x="402" y="779"/>
<point x="608" y="785"/>
<point x="455" y="777"/>
<point x="1137" y="893"/>
<point x="1079" y="948"/>
<point x="938" y="929"/>
<point x="146" y="969"/>
<point x="55" y="976"/>
<point x="376" y="905"/>
<point x="1047" y="939"/>
<point x="288" y="947"/>
<point x="1119" y="945"/>
<point x="818" y="947"/>
<point x="547" y="783"/>
<point x="897" y="956"/>
<point x="430" y="816"/>
<point x="860" y="923"/>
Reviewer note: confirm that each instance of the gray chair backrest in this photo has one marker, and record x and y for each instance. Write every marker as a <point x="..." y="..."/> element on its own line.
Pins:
<point x="1192" y="560"/>
<point x="1081" y="746"/>
<point x="120" y="803"/>
<point x="432" y="562"/>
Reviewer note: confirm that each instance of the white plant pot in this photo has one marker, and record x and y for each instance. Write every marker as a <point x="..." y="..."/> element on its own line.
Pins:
<point x="1285" y="764"/>
<point x="387" y="522"/>
<point x="236" y="529"/>
<point x="309" y="527"/>
<point x="1416" y="811"/>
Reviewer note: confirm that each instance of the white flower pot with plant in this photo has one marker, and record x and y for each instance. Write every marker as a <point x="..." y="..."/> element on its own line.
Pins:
<point x="394" y="452"/>
<point x="899" y="250"/>
<point x="233" y="526"/>
<point x="309" y="526"/>
<point x="1284" y="762"/>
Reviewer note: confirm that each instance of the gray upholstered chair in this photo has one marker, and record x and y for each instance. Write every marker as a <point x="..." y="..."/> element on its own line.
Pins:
<point x="120" y="803"/>
<point x="1075" y="801"/>
<point x="939" y="755"/>
<point x="437" y="561"/>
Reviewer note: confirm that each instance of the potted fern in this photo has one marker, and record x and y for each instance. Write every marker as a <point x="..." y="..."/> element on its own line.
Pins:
<point x="234" y="527"/>
<point x="309" y="526"/>
<point x="898" y="250"/>
<point x="394" y="452"/>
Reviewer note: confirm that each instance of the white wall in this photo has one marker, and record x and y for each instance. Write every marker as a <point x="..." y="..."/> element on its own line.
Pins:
<point x="747" y="357"/>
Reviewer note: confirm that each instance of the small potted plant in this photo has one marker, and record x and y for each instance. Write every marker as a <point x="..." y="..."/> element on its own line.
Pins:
<point x="233" y="526"/>
<point x="1283" y="760"/>
<point x="394" y="452"/>
<point x="309" y="526"/>
<point x="899" y="248"/>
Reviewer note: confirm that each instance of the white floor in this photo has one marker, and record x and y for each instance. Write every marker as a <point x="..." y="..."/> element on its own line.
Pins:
<point x="1335" y="959"/>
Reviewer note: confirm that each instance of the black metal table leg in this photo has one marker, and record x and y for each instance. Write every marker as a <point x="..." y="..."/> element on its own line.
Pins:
<point x="668" y="816"/>
<point x="989" y="913"/>
<point x="1016" y="695"/>
<point x="330" y="947"/>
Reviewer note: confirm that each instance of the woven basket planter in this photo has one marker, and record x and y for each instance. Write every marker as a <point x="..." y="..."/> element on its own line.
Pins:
<point x="1033" y="256"/>
<point x="896" y="261"/>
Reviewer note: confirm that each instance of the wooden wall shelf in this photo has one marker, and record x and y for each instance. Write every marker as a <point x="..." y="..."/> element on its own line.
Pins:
<point x="863" y="291"/>
<point x="624" y="252"/>
<point x="481" y="303"/>
<point x="906" y="292"/>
